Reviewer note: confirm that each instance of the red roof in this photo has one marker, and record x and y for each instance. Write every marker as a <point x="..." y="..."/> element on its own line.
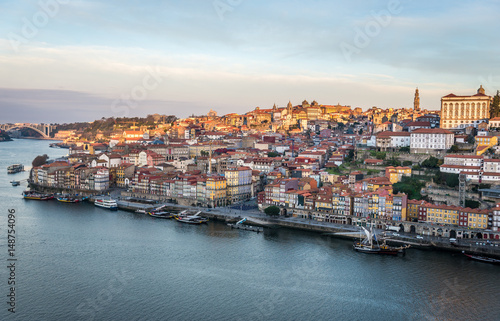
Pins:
<point x="431" y="131"/>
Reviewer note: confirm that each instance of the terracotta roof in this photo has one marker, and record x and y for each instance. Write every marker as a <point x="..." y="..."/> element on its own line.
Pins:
<point x="431" y="131"/>
<point x="464" y="156"/>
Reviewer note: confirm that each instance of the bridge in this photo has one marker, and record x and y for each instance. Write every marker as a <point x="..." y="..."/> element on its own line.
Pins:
<point x="43" y="129"/>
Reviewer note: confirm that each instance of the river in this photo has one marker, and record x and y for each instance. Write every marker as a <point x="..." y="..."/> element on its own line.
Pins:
<point x="79" y="262"/>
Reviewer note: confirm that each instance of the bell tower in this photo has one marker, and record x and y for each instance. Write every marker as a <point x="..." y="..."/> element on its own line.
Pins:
<point x="416" y="101"/>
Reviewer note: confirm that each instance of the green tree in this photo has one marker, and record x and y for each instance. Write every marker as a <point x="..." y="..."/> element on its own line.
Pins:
<point x="432" y="162"/>
<point x="407" y="163"/>
<point x="404" y="149"/>
<point x="350" y="156"/>
<point x="448" y="179"/>
<point x="453" y="149"/>
<point x="273" y="154"/>
<point x="393" y="162"/>
<point x="472" y="203"/>
<point x="495" y="106"/>
<point x="272" y="210"/>
<point x="410" y="186"/>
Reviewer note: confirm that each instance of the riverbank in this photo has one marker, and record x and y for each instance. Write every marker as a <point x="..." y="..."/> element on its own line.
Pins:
<point x="231" y="215"/>
<point x="352" y="232"/>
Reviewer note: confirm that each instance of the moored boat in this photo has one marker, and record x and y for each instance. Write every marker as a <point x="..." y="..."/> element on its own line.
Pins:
<point x="16" y="168"/>
<point x="107" y="203"/>
<point x="161" y="214"/>
<point x="190" y="219"/>
<point x="484" y="259"/>
<point x="15" y="183"/>
<point x="32" y="195"/>
<point x="371" y="245"/>
<point x="71" y="199"/>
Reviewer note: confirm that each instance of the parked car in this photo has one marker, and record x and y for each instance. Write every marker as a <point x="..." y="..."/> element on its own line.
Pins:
<point x="395" y="234"/>
<point x="420" y="237"/>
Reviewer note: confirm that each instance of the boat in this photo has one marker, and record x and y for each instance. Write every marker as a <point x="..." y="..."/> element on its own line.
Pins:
<point x="183" y="217"/>
<point x="32" y="195"/>
<point x="15" y="183"/>
<point x="71" y="199"/>
<point x="16" y="168"/>
<point x="161" y="214"/>
<point x="107" y="203"/>
<point x="239" y="225"/>
<point x="484" y="259"/>
<point x="371" y="245"/>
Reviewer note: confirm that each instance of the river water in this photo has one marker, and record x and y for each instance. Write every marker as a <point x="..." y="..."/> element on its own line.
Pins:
<point x="79" y="262"/>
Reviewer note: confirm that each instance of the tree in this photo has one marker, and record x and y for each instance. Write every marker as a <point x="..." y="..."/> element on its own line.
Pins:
<point x="39" y="160"/>
<point x="432" y="162"/>
<point x="448" y="179"/>
<point x="407" y="163"/>
<point x="409" y="186"/>
<point x="393" y="162"/>
<point x="404" y="149"/>
<point x="204" y="153"/>
<point x="453" y="149"/>
<point x="495" y="106"/>
<point x="350" y="156"/>
<point x="272" y="154"/>
<point x="272" y="210"/>
<point x="472" y="204"/>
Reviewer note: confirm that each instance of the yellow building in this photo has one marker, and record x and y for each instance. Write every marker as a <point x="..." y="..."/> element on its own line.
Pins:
<point x="477" y="219"/>
<point x="443" y="214"/>
<point x="395" y="174"/>
<point x="216" y="190"/>
<point x="413" y="209"/>
<point x="484" y="143"/>
<point x="464" y="111"/>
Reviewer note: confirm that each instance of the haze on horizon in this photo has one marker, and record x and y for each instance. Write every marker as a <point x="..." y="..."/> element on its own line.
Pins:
<point x="73" y="60"/>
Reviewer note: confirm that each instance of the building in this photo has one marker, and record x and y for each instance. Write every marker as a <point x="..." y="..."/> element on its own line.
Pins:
<point x="239" y="183"/>
<point x="431" y="140"/>
<point x="416" y="101"/>
<point x="388" y="140"/>
<point x="395" y="174"/>
<point x="463" y="111"/>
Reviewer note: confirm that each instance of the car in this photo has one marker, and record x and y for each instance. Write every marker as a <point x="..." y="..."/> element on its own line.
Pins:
<point x="453" y="240"/>
<point x="395" y="234"/>
<point x="420" y="237"/>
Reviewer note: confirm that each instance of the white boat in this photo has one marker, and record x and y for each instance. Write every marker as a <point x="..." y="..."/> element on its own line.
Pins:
<point x="109" y="203"/>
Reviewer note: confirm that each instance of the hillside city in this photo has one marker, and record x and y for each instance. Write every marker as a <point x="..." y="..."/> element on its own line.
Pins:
<point x="328" y="163"/>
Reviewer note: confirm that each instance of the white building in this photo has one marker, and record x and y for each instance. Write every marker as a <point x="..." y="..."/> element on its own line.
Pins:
<point x="463" y="160"/>
<point x="101" y="179"/>
<point x="431" y="140"/>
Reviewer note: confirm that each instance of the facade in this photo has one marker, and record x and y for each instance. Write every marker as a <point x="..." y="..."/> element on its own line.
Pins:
<point x="431" y="140"/>
<point x="239" y="183"/>
<point x="463" y="111"/>
<point x="388" y="140"/>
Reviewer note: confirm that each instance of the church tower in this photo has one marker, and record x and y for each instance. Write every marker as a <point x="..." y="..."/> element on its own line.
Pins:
<point x="416" y="101"/>
<point x="481" y="90"/>
<point x="289" y="107"/>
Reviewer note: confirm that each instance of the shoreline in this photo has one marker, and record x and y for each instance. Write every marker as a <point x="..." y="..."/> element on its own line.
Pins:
<point x="327" y="229"/>
<point x="230" y="215"/>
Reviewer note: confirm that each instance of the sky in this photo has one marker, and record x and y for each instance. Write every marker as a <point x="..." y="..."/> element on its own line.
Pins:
<point x="68" y="60"/>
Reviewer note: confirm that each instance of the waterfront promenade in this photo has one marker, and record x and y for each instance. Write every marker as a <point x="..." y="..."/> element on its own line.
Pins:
<point x="228" y="214"/>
